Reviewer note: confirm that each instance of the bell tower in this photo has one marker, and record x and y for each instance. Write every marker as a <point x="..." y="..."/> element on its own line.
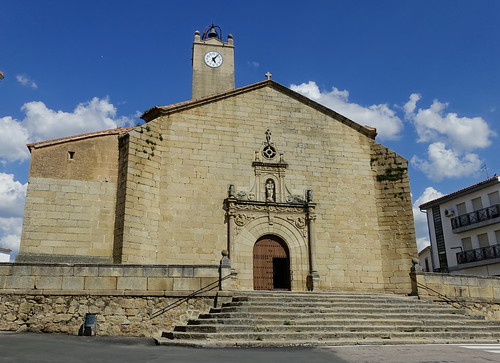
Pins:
<point x="213" y="63"/>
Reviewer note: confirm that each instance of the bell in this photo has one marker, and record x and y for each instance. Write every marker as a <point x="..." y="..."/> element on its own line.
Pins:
<point x="212" y="33"/>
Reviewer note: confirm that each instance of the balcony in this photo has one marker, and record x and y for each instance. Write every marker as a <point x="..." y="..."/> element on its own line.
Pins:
<point x="476" y="219"/>
<point x="479" y="254"/>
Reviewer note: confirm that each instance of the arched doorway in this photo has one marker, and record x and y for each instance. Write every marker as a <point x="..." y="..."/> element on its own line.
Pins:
<point x="271" y="264"/>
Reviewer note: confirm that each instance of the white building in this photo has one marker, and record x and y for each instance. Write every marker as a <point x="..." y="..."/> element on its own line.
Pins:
<point x="5" y="254"/>
<point x="464" y="229"/>
<point x="425" y="257"/>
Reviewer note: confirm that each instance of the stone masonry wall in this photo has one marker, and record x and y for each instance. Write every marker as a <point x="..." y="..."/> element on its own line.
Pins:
<point x="56" y="297"/>
<point x="70" y="202"/>
<point x="397" y="231"/>
<point x="101" y="279"/>
<point x="477" y="294"/>
<point x="199" y="152"/>
<point x="116" y="315"/>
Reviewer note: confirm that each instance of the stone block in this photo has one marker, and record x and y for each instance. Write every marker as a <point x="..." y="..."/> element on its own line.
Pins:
<point x="133" y="271"/>
<point x="155" y="271"/>
<point x="160" y="284"/>
<point x="110" y="270"/>
<point x="52" y="270"/>
<point x="132" y="283"/>
<point x="19" y="282"/>
<point x="48" y="282"/>
<point x="186" y="284"/>
<point x="481" y="292"/>
<point x="82" y="270"/>
<point x="206" y="271"/>
<point x="100" y="283"/>
<point x="73" y="283"/>
<point x="5" y="269"/>
<point x="21" y="270"/>
<point x="180" y="271"/>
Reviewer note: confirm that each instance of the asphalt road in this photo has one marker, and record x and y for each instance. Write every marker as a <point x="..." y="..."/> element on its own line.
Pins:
<point x="41" y="348"/>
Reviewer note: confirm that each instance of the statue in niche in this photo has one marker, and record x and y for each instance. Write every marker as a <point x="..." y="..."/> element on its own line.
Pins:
<point x="270" y="191"/>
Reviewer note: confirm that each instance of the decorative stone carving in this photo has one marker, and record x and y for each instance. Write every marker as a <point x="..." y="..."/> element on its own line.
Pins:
<point x="240" y="219"/>
<point x="293" y="198"/>
<point x="270" y="191"/>
<point x="241" y="195"/>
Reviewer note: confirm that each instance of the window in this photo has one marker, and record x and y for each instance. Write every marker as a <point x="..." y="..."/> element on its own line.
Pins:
<point x="494" y="198"/>
<point x="461" y="209"/>
<point x="477" y="203"/>
<point x="467" y="244"/>
<point x="71" y="155"/>
<point x="497" y="235"/>
<point x="482" y="239"/>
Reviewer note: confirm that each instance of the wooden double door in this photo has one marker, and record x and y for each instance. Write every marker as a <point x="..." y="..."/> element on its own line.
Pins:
<point x="271" y="264"/>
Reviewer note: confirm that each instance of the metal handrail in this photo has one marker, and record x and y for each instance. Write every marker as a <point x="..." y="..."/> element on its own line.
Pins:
<point x="446" y="299"/>
<point x="183" y="299"/>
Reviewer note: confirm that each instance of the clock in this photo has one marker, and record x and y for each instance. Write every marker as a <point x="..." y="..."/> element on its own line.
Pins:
<point x="213" y="59"/>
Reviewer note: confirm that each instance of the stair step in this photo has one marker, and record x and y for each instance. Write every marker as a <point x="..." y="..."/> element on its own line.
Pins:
<point x="325" y="309"/>
<point x="313" y="343"/>
<point x="267" y="318"/>
<point x="327" y="335"/>
<point x="332" y="328"/>
<point x="332" y="315"/>
<point x="346" y="322"/>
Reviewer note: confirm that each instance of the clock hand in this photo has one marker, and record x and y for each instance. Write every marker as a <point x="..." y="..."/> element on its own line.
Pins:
<point x="213" y="58"/>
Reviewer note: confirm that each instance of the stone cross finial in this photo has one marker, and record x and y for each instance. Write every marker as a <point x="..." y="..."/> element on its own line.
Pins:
<point x="268" y="75"/>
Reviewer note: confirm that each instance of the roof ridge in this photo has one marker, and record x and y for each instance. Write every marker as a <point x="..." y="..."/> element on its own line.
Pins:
<point x="158" y="111"/>
<point x="118" y="130"/>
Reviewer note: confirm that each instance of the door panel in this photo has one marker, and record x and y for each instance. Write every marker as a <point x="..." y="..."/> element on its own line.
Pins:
<point x="271" y="265"/>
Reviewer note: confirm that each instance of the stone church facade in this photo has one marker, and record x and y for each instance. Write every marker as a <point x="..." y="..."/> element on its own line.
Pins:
<point x="301" y="197"/>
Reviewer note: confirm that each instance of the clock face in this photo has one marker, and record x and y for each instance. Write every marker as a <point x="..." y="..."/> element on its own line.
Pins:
<point x="213" y="59"/>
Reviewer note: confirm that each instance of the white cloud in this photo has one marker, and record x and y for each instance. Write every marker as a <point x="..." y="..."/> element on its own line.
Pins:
<point x="443" y="162"/>
<point x="12" y="195"/>
<point x="42" y="123"/>
<point x="433" y="125"/>
<point x="388" y="124"/>
<point x="13" y="140"/>
<point x="10" y="234"/>
<point x="421" y="228"/>
<point x="253" y="64"/>
<point x="451" y="139"/>
<point x="25" y="81"/>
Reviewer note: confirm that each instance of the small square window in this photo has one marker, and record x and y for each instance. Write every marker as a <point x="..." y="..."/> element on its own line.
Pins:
<point x="71" y="155"/>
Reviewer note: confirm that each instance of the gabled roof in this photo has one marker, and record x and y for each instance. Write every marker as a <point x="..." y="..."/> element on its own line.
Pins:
<point x="473" y="188"/>
<point x="159" y="111"/>
<point x="118" y="131"/>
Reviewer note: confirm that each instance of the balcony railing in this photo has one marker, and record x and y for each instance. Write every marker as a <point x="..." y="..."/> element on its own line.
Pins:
<point x="477" y="216"/>
<point x="478" y="254"/>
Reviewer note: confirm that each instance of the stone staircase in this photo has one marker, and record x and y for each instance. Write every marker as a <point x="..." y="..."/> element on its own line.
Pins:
<point x="271" y="319"/>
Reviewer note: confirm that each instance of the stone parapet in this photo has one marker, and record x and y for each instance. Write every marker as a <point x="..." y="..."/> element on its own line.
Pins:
<point x="96" y="279"/>
<point x="477" y="294"/>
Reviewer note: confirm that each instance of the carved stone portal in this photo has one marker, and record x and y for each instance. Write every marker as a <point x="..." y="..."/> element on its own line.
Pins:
<point x="270" y="197"/>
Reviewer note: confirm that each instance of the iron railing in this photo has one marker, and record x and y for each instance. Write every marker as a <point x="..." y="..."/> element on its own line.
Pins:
<point x="477" y="216"/>
<point x="178" y="302"/>
<point x="479" y="254"/>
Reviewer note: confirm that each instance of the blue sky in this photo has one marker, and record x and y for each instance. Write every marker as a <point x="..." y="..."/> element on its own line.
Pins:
<point x="425" y="73"/>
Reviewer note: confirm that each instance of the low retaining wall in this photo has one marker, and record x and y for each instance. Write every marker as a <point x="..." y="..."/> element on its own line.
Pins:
<point x="116" y="315"/>
<point x="89" y="278"/>
<point x="477" y="294"/>
<point x="55" y="297"/>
